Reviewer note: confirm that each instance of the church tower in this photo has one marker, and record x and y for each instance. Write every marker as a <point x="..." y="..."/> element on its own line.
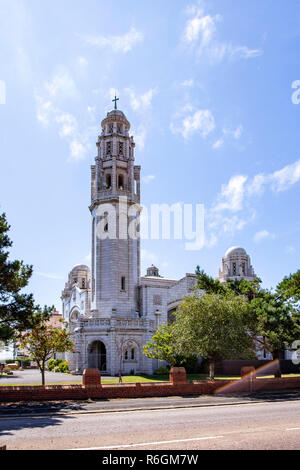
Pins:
<point x="115" y="208"/>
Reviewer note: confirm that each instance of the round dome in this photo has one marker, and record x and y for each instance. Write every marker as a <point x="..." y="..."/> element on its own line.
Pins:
<point x="80" y="267"/>
<point x="235" y="250"/>
<point x="116" y="115"/>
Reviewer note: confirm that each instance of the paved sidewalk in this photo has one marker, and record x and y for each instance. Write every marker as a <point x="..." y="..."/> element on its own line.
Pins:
<point x="33" y="377"/>
<point x="136" y="404"/>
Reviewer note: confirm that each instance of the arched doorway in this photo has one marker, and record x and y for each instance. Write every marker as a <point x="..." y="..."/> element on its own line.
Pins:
<point x="171" y="315"/>
<point x="97" y="356"/>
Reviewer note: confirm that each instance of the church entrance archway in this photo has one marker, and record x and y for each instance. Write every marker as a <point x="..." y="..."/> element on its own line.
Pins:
<point x="97" y="356"/>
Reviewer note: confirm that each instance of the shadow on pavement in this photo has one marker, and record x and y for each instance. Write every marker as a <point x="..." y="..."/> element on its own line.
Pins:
<point x="25" y="415"/>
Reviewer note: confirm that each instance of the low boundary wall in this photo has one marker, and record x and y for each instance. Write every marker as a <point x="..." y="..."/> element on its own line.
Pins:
<point x="141" y="390"/>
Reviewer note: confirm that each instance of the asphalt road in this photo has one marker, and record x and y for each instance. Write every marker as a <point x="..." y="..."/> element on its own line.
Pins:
<point x="264" y="425"/>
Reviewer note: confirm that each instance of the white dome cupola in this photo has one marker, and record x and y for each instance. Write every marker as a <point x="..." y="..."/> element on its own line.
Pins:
<point x="236" y="264"/>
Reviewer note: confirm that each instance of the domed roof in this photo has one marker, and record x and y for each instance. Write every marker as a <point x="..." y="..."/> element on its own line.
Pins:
<point x="116" y="115"/>
<point x="234" y="250"/>
<point x="80" y="267"/>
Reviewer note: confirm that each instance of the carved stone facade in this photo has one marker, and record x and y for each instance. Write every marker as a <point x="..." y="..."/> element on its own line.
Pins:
<point x="110" y="308"/>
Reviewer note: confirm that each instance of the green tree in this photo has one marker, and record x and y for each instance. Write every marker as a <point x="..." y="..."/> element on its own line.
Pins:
<point x="275" y="323"/>
<point x="18" y="311"/>
<point x="250" y="289"/>
<point x="213" y="326"/>
<point x="163" y="346"/>
<point x="209" y="284"/>
<point x="289" y="287"/>
<point x="43" y="341"/>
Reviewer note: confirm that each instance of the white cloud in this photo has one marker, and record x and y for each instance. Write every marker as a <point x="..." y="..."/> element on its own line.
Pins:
<point x="140" y="137"/>
<point x="278" y="181"/>
<point x="49" y="113"/>
<point x="188" y="83"/>
<point x="200" y="35"/>
<point x="233" y="209"/>
<point x="123" y="43"/>
<point x="201" y="122"/>
<point x="286" y="177"/>
<point x="218" y="144"/>
<point x="62" y="84"/>
<point x="67" y="124"/>
<point x="200" y="28"/>
<point x="228" y="133"/>
<point x="83" y="62"/>
<point x="262" y="235"/>
<point x="232" y="195"/>
<point x="141" y="102"/>
<point x="148" y="178"/>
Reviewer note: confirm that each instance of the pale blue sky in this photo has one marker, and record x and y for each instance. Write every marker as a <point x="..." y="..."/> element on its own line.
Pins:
<point x="207" y="87"/>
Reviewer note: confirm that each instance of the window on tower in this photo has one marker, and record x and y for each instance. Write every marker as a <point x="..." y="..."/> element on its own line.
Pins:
<point x="105" y="221"/>
<point x="108" y="148"/>
<point x="108" y="181"/>
<point x="121" y="182"/>
<point x="123" y="283"/>
<point x="244" y="268"/>
<point x="121" y="148"/>
<point x="234" y="268"/>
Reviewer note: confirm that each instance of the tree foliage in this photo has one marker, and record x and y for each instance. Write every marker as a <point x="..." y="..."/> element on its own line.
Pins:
<point x="274" y="321"/>
<point x="213" y="326"/>
<point x="277" y="322"/>
<point x="18" y="311"/>
<point x="289" y="287"/>
<point x="163" y="345"/>
<point x="43" y="342"/>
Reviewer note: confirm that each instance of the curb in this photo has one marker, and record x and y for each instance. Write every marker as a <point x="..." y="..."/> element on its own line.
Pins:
<point x="128" y="410"/>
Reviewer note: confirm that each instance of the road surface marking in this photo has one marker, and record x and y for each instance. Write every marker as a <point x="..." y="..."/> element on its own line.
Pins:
<point x="143" y="444"/>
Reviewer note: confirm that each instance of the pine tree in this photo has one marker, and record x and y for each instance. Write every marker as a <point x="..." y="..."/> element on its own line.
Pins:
<point x="18" y="311"/>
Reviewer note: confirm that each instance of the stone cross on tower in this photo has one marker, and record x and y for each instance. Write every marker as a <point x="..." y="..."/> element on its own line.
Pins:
<point x="115" y="101"/>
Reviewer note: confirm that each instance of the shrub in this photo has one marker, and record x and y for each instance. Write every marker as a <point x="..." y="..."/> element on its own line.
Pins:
<point x="25" y="362"/>
<point x="162" y="370"/>
<point x="51" y="364"/>
<point x="64" y="367"/>
<point x="132" y="372"/>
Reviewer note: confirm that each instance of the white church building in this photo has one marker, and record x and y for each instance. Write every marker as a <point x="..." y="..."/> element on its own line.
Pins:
<point x="111" y="309"/>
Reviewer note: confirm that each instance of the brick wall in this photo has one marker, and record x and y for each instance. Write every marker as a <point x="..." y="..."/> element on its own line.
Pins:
<point x="140" y="390"/>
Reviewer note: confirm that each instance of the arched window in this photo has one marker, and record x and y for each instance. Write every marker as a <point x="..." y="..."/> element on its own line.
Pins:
<point x="108" y="181"/>
<point x="121" y="182"/>
<point x="105" y="221"/>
